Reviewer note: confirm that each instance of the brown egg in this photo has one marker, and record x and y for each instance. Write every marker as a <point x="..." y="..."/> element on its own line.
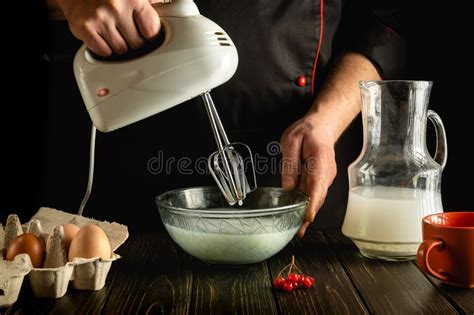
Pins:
<point x="90" y="241"/>
<point x="70" y="230"/>
<point x="27" y="243"/>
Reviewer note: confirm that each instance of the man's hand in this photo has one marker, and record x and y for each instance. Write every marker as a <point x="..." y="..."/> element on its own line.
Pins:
<point x="308" y="144"/>
<point x="108" y="26"/>
<point x="308" y="162"/>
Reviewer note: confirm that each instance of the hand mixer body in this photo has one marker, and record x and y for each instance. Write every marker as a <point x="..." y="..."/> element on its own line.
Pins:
<point x="196" y="56"/>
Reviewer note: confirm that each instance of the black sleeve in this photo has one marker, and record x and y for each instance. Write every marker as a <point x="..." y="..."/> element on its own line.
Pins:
<point x="375" y="30"/>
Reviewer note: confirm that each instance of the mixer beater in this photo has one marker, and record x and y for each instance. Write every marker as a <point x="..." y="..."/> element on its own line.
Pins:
<point x="227" y="164"/>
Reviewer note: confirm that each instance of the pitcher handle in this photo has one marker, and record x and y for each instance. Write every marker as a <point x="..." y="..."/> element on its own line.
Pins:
<point x="441" y="155"/>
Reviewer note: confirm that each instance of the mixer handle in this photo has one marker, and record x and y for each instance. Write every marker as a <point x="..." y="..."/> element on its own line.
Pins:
<point x="441" y="154"/>
<point x="147" y="48"/>
<point x="175" y="8"/>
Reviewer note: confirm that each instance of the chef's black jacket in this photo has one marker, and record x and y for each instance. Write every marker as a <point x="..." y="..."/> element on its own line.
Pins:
<point x="279" y="42"/>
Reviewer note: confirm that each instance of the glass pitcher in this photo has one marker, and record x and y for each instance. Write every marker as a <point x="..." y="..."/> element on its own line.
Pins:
<point x="394" y="182"/>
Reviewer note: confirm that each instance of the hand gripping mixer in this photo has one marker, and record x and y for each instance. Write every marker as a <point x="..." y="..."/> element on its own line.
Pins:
<point x="191" y="56"/>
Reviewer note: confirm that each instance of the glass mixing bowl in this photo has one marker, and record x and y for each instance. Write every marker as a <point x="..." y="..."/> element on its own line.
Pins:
<point x="202" y="222"/>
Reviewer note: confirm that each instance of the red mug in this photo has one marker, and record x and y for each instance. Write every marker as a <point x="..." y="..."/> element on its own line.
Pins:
<point x="447" y="251"/>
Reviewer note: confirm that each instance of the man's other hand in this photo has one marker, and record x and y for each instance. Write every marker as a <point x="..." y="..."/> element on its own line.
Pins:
<point x="308" y="162"/>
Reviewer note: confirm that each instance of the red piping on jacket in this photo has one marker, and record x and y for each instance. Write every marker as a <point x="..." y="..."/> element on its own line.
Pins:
<point x="321" y="28"/>
<point x="391" y="30"/>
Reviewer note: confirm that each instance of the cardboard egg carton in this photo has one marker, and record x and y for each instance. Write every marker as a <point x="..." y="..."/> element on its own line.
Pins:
<point x="53" y="278"/>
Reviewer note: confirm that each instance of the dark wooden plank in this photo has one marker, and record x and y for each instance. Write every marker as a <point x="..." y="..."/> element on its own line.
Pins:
<point x="236" y="290"/>
<point x="389" y="287"/>
<point x="332" y="292"/>
<point x="461" y="298"/>
<point x="74" y="302"/>
<point x="153" y="278"/>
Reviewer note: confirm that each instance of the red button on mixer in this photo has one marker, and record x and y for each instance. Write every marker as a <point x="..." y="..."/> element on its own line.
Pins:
<point x="301" y="81"/>
<point x="103" y="92"/>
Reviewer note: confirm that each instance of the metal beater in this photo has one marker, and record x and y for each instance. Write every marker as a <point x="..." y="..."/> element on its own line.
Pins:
<point x="227" y="165"/>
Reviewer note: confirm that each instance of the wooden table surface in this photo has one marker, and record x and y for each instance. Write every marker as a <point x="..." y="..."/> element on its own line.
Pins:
<point x="156" y="277"/>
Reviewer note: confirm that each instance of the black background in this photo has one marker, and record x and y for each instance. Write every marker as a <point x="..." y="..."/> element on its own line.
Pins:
<point x="35" y="140"/>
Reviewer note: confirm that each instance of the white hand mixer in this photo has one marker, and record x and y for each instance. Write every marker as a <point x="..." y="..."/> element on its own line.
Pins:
<point x="193" y="56"/>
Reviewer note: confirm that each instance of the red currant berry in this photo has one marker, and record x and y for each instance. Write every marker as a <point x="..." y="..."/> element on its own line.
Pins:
<point x="308" y="282"/>
<point x="300" y="278"/>
<point x="287" y="286"/>
<point x="278" y="282"/>
<point x="293" y="277"/>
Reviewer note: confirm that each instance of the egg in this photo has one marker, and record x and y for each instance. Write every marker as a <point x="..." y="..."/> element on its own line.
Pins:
<point x="27" y="243"/>
<point x="70" y="230"/>
<point x="90" y="241"/>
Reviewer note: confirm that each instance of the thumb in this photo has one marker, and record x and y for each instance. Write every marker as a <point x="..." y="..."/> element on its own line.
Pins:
<point x="291" y="152"/>
<point x="320" y="174"/>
